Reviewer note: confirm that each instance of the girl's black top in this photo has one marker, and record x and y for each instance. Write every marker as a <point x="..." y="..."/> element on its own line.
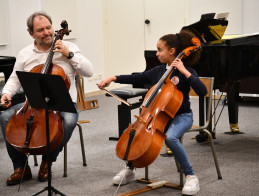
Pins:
<point x="153" y="75"/>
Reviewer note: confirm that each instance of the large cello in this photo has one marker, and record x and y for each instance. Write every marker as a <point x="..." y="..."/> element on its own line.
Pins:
<point x="141" y="142"/>
<point x="26" y="130"/>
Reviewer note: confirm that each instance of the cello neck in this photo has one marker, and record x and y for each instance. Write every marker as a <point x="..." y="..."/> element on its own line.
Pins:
<point x="59" y="35"/>
<point x="48" y="62"/>
<point x="158" y="86"/>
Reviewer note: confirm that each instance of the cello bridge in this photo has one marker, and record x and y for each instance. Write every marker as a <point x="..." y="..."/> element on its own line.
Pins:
<point x="140" y="119"/>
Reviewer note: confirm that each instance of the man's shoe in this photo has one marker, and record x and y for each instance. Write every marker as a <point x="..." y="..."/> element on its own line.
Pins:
<point x="43" y="172"/>
<point x="191" y="186"/>
<point x="127" y="174"/>
<point x="16" y="177"/>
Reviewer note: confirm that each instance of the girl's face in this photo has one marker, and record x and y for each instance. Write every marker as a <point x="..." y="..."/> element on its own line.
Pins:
<point x="165" y="54"/>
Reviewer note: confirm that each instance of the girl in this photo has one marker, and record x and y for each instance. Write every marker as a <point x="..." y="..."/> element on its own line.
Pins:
<point x="184" y="77"/>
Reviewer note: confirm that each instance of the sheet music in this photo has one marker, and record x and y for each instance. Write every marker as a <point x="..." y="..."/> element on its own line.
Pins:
<point x="222" y="16"/>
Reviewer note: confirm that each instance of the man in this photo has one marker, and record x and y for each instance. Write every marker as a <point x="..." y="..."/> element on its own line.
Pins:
<point x="66" y="55"/>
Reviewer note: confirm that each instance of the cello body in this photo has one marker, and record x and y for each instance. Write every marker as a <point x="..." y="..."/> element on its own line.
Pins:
<point x="53" y="70"/>
<point x="16" y="130"/>
<point x="26" y="130"/>
<point x="149" y="127"/>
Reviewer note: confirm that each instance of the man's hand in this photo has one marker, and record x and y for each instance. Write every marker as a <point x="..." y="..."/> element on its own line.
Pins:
<point x="60" y="47"/>
<point x="6" y="101"/>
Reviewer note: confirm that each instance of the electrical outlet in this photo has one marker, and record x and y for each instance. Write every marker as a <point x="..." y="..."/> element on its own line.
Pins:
<point x="95" y="77"/>
<point x="99" y="76"/>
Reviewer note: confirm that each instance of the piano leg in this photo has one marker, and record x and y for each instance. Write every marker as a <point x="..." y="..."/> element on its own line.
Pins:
<point x="124" y="116"/>
<point x="232" y="100"/>
<point x="124" y="119"/>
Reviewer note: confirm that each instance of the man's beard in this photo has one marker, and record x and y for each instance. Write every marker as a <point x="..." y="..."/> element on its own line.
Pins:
<point x="46" y="43"/>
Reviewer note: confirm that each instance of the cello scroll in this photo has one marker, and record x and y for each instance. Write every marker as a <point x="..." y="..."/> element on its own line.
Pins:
<point x="186" y="52"/>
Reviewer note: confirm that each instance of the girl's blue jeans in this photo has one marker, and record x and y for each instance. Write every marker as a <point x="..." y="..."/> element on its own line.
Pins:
<point x="176" y="128"/>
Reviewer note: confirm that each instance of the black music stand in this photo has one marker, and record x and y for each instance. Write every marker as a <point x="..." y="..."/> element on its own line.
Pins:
<point x="49" y="92"/>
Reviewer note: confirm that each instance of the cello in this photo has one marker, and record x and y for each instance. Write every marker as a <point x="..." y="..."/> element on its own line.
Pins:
<point x="141" y="143"/>
<point x="26" y="131"/>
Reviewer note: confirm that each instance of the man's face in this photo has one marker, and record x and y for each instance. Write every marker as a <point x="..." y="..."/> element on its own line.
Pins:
<point x="42" y="32"/>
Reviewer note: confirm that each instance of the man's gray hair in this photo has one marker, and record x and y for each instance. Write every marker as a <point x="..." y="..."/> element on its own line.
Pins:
<point x="31" y="18"/>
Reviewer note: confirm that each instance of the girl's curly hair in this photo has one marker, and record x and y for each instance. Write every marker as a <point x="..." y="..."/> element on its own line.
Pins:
<point x="180" y="41"/>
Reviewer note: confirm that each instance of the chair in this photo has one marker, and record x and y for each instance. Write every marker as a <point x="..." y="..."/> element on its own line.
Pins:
<point x="82" y="147"/>
<point x="204" y="127"/>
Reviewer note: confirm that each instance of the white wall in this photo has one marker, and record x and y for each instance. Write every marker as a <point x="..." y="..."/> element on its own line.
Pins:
<point x="90" y="38"/>
<point x="199" y="7"/>
<point x="250" y="16"/>
<point x="18" y="12"/>
<point x="90" y="33"/>
<point x="4" y="22"/>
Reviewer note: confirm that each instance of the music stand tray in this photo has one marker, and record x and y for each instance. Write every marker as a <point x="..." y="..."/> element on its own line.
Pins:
<point x="49" y="92"/>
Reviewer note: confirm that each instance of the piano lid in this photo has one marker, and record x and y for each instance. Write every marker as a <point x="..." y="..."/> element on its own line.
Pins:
<point x="208" y="29"/>
<point x="239" y="40"/>
<point x="243" y="40"/>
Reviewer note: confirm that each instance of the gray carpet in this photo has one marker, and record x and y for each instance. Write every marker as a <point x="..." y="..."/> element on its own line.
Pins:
<point x="238" y="158"/>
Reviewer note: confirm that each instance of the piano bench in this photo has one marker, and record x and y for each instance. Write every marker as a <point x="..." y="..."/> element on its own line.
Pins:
<point x="124" y="111"/>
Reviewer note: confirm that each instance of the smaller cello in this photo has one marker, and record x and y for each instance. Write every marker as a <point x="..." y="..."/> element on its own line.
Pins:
<point x="141" y="142"/>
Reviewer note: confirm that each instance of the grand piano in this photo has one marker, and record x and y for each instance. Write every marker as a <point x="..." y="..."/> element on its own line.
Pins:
<point x="6" y="67"/>
<point x="234" y="63"/>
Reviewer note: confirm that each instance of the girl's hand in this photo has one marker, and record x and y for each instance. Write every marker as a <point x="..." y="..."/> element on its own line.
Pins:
<point x="178" y="64"/>
<point x="106" y="82"/>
